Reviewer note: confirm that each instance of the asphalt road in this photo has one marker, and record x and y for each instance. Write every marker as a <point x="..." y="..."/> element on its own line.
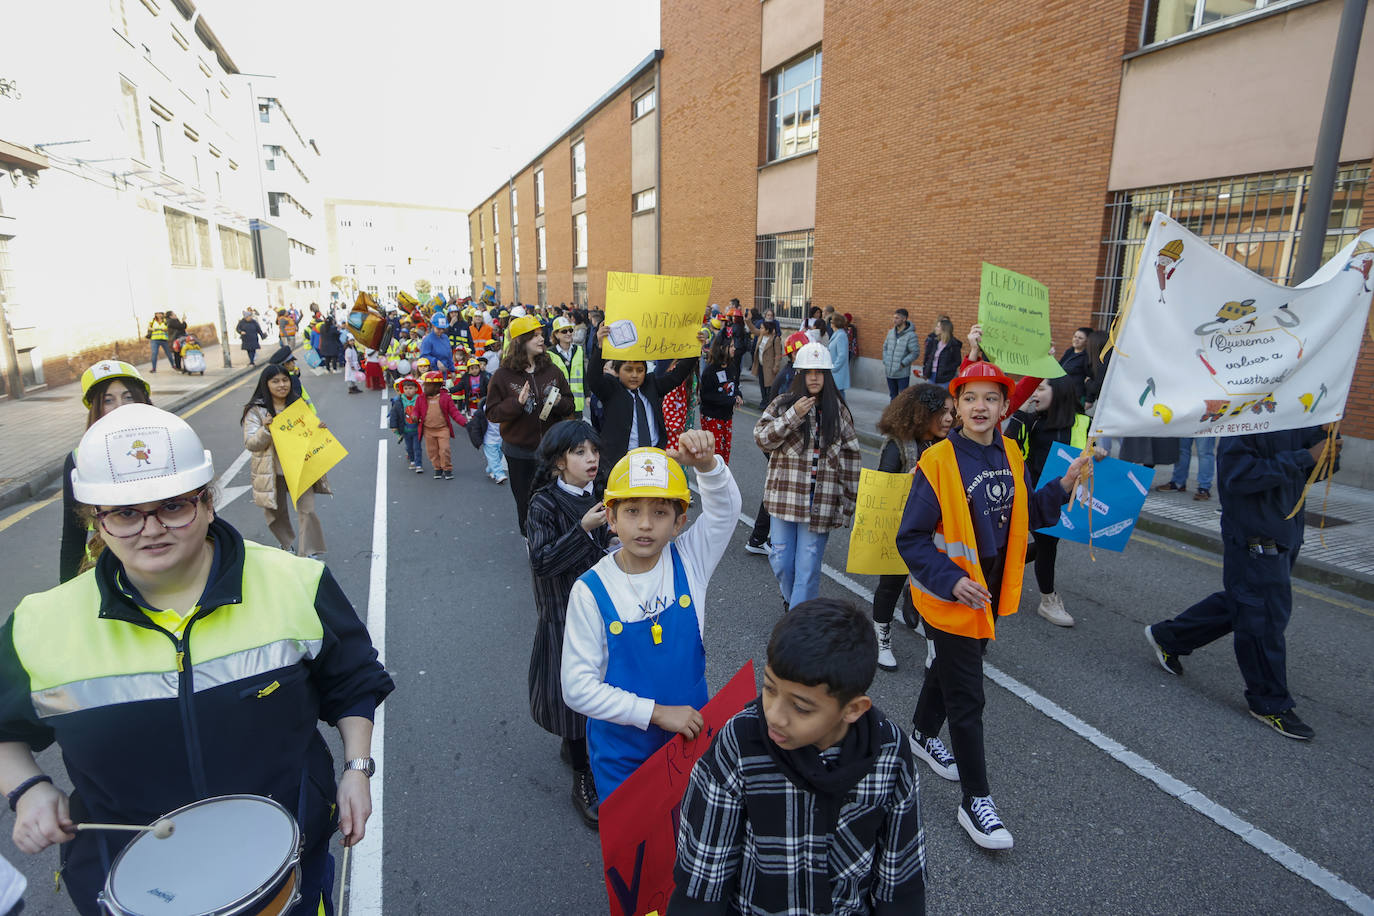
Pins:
<point x="477" y="816"/>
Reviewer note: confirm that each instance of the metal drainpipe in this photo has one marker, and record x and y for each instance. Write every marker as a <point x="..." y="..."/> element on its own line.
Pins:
<point x="658" y="170"/>
<point x="510" y="221"/>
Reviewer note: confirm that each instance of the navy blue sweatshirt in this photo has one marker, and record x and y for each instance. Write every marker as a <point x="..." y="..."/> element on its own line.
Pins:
<point x="989" y="487"/>
<point x="1259" y="480"/>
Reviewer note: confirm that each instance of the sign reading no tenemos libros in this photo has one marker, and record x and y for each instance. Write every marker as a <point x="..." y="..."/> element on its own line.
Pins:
<point x="654" y="317"/>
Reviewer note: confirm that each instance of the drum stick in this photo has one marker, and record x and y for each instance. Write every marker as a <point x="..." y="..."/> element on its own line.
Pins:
<point x="161" y="829"/>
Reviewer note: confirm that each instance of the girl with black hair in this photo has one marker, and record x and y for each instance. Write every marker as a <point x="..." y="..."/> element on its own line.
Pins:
<point x="813" y="472"/>
<point x="720" y="393"/>
<point x="1051" y="415"/>
<point x="567" y="532"/>
<point x="273" y="394"/>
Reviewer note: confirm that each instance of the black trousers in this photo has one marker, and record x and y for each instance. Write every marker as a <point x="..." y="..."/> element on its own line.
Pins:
<point x="763" y="526"/>
<point x="953" y="691"/>
<point x="1046" y="552"/>
<point x="890" y="590"/>
<point x="521" y="471"/>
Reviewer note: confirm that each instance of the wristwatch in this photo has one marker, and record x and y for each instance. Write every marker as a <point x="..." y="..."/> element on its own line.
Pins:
<point x="367" y="765"/>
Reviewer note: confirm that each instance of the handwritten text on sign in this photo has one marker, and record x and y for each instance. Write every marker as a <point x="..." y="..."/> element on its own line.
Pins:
<point x="639" y="819"/>
<point x="305" y="449"/>
<point x="877" y="515"/>
<point x="1014" y="311"/>
<point x="654" y="317"/>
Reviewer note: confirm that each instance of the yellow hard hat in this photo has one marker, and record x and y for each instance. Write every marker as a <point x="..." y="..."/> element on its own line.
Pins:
<point x="523" y="325"/>
<point x="647" y="472"/>
<point x="108" y="368"/>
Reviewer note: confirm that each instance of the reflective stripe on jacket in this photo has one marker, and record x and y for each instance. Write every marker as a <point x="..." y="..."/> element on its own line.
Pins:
<point x="954" y="537"/>
<point x="157" y="330"/>
<point x="575" y="369"/>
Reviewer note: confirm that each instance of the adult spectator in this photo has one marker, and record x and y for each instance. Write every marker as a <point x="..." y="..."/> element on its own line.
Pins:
<point x="572" y="359"/>
<point x="1262" y="477"/>
<point x="1075" y="361"/>
<point x="330" y="349"/>
<point x="250" y="336"/>
<point x="900" y="350"/>
<point x="436" y="344"/>
<point x="767" y="358"/>
<point x="942" y="357"/>
<point x="157" y="338"/>
<point x="839" y="353"/>
<point x="176" y="329"/>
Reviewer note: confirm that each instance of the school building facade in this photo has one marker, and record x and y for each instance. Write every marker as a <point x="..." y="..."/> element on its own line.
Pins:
<point x="1035" y="138"/>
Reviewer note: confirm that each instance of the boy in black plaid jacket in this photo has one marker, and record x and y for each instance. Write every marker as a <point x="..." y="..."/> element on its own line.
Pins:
<point x="806" y="802"/>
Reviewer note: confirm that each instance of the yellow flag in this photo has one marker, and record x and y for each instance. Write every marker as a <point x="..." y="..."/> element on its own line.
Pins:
<point x="877" y="515"/>
<point x="305" y="449"/>
<point x="654" y="317"/>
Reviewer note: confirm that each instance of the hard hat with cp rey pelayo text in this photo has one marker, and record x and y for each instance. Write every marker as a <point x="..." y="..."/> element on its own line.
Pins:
<point x="139" y="454"/>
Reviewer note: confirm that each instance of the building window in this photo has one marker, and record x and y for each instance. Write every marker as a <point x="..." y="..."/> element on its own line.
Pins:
<point x="538" y="192"/>
<point x="515" y="252"/>
<point x="484" y="260"/>
<point x="495" y="219"/>
<point x="543" y="290"/>
<point x="391" y="292"/>
<point x="133" y="125"/>
<point x="646" y="200"/>
<point x="794" y="107"/>
<point x="580" y="240"/>
<point x="1254" y="219"/>
<point x="580" y="294"/>
<point x="372" y="290"/>
<point x="158" y="147"/>
<point x="264" y="112"/>
<point x="579" y="163"/>
<point x="1166" y="19"/>
<point x="514" y="209"/>
<point x="120" y="18"/>
<point x="181" y="241"/>
<point x="782" y="273"/>
<point x="496" y="287"/>
<point x="203" y="240"/>
<point x="496" y="247"/>
<point x="540" y="252"/>
<point x="644" y="104"/>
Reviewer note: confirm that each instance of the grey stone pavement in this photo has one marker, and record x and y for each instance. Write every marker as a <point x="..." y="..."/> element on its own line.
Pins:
<point x="1339" y="554"/>
<point x="39" y="430"/>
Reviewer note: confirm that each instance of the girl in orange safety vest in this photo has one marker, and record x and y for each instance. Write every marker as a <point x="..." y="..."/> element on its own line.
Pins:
<point x="963" y="536"/>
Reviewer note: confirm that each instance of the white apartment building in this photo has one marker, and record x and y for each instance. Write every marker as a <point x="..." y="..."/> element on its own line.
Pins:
<point x="291" y="197"/>
<point x="387" y="247"/>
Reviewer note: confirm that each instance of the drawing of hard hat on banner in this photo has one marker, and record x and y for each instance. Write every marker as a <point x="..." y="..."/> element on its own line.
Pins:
<point x="1166" y="262"/>
<point x="1361" y="262"/>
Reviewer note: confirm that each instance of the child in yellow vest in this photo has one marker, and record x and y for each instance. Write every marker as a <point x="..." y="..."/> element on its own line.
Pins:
<point x="970" y="511"/>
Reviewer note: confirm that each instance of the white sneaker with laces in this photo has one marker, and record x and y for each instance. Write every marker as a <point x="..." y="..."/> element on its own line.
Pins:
<point x="1052" y="609"/>
<point x="979" y="819"/>
<point x="934" y="753"/>
<point x="886" y="660"/>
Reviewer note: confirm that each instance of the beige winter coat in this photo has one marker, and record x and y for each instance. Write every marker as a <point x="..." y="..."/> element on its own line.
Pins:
<point x="257" y="438"/>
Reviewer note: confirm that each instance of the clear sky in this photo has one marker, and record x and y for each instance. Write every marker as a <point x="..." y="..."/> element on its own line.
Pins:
<point x="433" y="101"/>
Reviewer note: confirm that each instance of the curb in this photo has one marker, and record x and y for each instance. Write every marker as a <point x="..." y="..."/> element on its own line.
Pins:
<point x="35" y="483"/>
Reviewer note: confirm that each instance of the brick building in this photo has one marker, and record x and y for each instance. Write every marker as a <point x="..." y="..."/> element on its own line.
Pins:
<point x="954" y="133"/>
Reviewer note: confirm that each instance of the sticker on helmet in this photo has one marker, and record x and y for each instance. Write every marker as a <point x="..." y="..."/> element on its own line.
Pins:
<point x="136" y="454"/>
<point x="649" y="471"/>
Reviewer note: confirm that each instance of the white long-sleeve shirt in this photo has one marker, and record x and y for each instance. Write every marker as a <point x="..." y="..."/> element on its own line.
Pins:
<point x="701" y="545"/>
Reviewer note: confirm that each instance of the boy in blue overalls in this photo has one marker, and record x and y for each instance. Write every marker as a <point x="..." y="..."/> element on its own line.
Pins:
<point x="633" y="658"/>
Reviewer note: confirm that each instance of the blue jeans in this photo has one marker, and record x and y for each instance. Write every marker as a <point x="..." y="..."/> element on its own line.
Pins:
<point x="796" y="560"/>
<point x="1206" y="462"/>
<point x="166" y="348"/>
<point x="896" y="386"/>
<point x="414" y="452"/>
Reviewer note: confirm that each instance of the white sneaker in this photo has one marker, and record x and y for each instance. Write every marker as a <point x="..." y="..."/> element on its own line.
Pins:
<point x="1052" y="609"/>
<point x="980" y="821"/>
<point x="886" y="660"/>
<point x="934" y="752"/>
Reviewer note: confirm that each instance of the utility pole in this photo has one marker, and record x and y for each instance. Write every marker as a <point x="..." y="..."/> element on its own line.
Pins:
<point x="1327" y="159"/>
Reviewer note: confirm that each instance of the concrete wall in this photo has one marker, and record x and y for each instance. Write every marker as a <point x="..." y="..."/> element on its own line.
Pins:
<point x="787" y="195"/>
<point x="789" y="27"/>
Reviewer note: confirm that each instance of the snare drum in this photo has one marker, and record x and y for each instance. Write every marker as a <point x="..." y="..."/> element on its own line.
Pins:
<point x="229" y="856"/>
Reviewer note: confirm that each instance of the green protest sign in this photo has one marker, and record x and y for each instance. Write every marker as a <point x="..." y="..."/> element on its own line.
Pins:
<point x="1014" y="311"/>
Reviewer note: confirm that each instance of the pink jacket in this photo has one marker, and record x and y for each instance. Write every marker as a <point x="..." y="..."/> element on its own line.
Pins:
<point x="450" y="413"/>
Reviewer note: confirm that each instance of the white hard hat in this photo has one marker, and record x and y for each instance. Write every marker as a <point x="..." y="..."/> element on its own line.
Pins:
<point x="518" y="312"/>
<point x="812" y="356"/>
<point x="139" y="454"/>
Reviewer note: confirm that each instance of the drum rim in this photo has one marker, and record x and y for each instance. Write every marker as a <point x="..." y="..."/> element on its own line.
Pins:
<point x="292" y="863"/>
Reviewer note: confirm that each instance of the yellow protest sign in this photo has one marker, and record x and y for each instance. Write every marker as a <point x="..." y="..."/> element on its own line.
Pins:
<point x="877" y="514"/>
<point x="654" y="317"/>
<point x="305" y="449"/>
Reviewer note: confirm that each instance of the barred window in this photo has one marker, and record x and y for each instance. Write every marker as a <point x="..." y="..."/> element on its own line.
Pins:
<point x="1255" y="219"/>
<point x="580" y="294"/>
<point x="782" y="273"/>
<point x="543" y="288"/>
<point x="180" y="238"/>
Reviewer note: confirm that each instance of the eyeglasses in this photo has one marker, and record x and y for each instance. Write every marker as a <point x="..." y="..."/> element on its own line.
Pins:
<point x="126" y="521"/>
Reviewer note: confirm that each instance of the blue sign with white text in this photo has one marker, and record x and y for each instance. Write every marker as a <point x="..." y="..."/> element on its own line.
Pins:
<point x="1118" y="493"/>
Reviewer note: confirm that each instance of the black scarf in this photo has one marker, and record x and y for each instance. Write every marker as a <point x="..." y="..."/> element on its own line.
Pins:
<point x="831" y="784"/>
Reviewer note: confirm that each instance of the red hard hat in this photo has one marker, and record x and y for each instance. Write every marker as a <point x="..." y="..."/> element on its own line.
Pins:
<point x="403" y="380"/>
<point x="795" y="342"/>
<point x="979" y="372"/>
<point x="433" y="375"/>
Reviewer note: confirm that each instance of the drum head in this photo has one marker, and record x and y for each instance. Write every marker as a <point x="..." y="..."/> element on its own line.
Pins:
<point x="223" y="850"/>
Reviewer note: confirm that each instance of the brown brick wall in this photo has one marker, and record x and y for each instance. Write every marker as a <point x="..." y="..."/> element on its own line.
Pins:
<point x="529" y="273"/>
<point x="608" y="194"/>
<point x="557" y="164"/>
<point x="709" y="104"/>
<point x="956" y="133"/>
<point x="1359" y="410"/>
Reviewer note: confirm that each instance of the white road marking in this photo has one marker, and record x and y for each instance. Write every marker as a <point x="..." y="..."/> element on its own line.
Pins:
<point x="1220" y="815"/>
<point x="384" y="417"/>
<point x="227" y="493"/>
<point x="364" y="884"/>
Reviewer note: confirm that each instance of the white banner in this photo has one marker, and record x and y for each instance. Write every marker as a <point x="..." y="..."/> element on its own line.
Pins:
<point x="1209" y="348"/>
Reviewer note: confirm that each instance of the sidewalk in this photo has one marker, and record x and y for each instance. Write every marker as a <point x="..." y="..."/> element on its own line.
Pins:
<point x="1345" y="562"/>
<point x="38" y="431"/>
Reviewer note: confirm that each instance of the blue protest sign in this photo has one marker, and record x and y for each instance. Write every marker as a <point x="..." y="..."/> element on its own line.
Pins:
<point x="1118" y="493"/>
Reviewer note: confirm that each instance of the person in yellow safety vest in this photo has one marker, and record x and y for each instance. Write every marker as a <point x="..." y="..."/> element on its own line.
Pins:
<point x="963" y="536"/>
<point x="571" y="358"/>
<point x="157" y="337"/>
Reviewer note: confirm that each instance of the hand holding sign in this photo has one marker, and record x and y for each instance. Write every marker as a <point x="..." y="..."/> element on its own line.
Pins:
<point x="653" y="317"/>
<point x="1014" y="314"/>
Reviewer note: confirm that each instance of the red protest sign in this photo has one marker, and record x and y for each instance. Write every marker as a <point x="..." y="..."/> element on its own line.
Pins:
<point x="639" y="820"/>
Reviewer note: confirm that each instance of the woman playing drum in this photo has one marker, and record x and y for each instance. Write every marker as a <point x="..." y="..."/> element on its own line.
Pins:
<point x="189" y="663"/>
